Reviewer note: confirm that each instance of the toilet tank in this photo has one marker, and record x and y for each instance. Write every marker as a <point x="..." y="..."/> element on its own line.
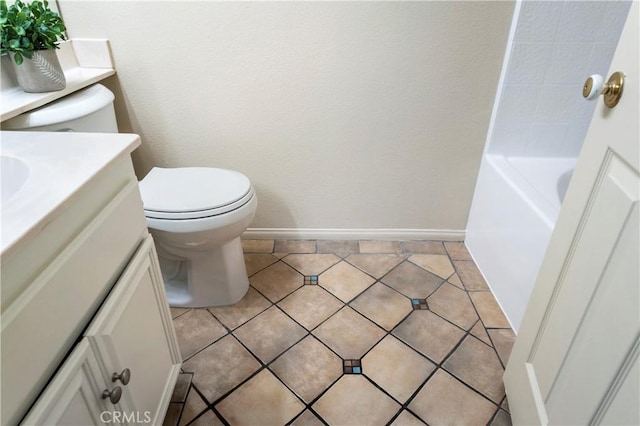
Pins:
<point x="87" y="110"/>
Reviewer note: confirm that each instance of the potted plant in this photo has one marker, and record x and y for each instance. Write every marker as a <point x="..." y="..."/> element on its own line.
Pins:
<point x="30" y="35"/>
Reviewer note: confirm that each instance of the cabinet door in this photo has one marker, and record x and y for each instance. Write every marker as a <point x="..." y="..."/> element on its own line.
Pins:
<point x="73" y="396"/>
<point x="134" y="330"/>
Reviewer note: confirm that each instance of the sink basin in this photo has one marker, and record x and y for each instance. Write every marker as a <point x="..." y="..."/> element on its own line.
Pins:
<point x="13" y="174"/>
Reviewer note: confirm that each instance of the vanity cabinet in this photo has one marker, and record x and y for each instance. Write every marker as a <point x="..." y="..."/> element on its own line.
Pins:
<point x="132" y="332"/>
<point x="82" y="293"/>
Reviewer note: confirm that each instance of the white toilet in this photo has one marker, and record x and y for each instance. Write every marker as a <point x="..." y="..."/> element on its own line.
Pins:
<point x="195" y="214"/>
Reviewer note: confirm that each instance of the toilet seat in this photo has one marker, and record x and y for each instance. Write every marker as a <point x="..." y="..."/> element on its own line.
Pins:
<point x="193" y="192"/>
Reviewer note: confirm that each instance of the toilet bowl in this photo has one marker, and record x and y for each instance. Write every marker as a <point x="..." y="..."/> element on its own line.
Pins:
<point x="195" y="214"/>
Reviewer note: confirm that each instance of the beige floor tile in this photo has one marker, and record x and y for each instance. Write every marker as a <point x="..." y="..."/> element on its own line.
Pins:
<point x="269" y="334"/>
<point x="256" y="262"/>
<point x="489" y="310"/>
<point x="235" y="315"/>
<point x="183" y="384"/>
<point x="355" y="401"/>
<point x="263" y="400"/>
<point x="173" y="414"/>
<point x="455" y="280"/>
<point x="192" y="407"/>
<point x="307" y="418"/>
<point x="209" y="418"/>
<point x="438" y="264"/>
<point x="197" y="329"/>
<point x="375" y="264"/>
<point x="349" y="334"/>
<point x="311" y="264"/>
<point x="470" y="275"/>
<point x="295" y="246"/>
<point x="310" y="305"/>
<point x="502" y="418"/>
<point x="412" y="280"/>
<point x="303" y="365"/>
<point x="396" y="368"/>
<point x="427" y="247"/>
<point x="257" y="246"/>
<point x="308" y="368"/>
<point x="429" y="334"/>
<point x="378" y="246"/>
<point x="345" y="281"/>
<point x="407" y="419"/>
<point x="176" y="312"/>
<point x="277" y="281"/>
<point x="341" y="247"/>
<point x="477" y="365"/>
<point x="454" y="305"/>
<point x="446" y="401"/>
<point x="383" y="306"/>
<point x="478" y="331"/>
<point x="221" y="367"/>
<point x="457" y="250"/>
<point x="502" y="339"/>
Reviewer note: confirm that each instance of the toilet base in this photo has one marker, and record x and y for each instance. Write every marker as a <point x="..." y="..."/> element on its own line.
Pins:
<point x="215" y="277"/>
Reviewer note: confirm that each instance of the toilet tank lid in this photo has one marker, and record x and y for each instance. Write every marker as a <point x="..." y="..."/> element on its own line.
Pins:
<point x="73" y="106"/>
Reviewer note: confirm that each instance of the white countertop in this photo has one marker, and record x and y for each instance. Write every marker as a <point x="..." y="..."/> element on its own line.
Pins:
<point x="59" y="165"/>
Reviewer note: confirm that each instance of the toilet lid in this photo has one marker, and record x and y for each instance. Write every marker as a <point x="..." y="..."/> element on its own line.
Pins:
<point x="200" y="191"/>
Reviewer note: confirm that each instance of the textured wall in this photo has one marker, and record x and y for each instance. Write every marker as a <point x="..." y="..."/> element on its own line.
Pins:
<point x="343" y="115"/>
<point x="556" y="46"/>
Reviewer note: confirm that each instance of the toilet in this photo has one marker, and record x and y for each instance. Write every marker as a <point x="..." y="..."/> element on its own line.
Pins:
<point x="195" y="214"/>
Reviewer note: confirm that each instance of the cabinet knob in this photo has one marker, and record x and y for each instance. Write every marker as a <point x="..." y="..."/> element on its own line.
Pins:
<point x="113" y="395"/>
<point x="124" y="377"/>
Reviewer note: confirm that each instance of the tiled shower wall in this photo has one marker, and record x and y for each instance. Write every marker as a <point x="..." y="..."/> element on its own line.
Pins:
<point x="555" y="47"/>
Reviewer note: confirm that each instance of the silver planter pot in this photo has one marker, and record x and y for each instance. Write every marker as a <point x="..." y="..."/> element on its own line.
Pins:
<point x="41" y="73"/>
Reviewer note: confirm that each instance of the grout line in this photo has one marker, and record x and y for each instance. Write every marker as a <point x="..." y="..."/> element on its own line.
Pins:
<point x="383" y="275"/>
<point x="230" y="330"/>
<point x="317" y="273"/>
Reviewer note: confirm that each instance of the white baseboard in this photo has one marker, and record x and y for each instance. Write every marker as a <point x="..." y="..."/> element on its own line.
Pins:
<point x="354" y="234"/>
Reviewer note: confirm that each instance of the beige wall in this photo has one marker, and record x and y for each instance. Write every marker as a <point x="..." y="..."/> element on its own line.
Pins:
<point x="343" y="115"/>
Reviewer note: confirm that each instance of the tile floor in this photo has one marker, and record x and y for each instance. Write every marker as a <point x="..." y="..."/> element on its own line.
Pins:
<point x="347" y="333"/>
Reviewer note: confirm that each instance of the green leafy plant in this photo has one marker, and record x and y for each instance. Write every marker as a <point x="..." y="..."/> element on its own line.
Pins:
<point x="27" y="27"/>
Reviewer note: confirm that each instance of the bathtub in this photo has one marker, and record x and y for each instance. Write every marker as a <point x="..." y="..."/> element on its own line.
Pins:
<point x="515" y="207"/>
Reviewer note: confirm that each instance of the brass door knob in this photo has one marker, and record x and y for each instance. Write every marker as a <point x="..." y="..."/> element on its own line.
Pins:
<point x="611" y="90"/>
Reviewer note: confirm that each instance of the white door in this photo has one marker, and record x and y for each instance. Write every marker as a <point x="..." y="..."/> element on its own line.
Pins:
<point x="575" y="360"/>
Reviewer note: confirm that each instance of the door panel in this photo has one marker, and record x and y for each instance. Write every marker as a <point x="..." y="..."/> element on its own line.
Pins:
<point x="616" y="411"/>
<point x="589" y="258"/>
<point x="73" y="396"/>
<point x="134" y="331"/>
<point x="605" y="336"/>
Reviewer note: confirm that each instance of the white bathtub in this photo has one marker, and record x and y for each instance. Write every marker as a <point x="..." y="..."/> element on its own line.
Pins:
<point x="515" y="206"/>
